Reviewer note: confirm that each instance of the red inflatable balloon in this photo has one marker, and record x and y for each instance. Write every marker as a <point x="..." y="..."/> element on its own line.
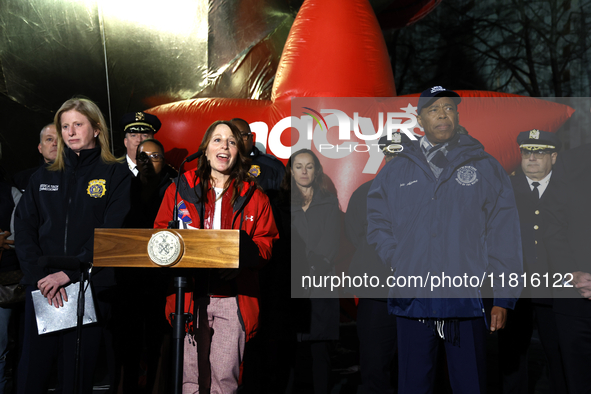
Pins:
<point x="336" y="49"/>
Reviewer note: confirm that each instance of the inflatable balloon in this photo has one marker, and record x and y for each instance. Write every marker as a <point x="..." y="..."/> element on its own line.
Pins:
<point x="336" y="49"/>
<point x="403" y="13"/>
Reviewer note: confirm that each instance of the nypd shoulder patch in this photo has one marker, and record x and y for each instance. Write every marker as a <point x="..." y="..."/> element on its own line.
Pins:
<point x="254" y="171"/>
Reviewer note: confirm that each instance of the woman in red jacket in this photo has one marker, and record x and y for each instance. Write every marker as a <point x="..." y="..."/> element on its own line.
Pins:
<point x="220" y="194"/>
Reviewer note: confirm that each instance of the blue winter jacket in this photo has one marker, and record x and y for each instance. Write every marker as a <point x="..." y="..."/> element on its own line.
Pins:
<point x="464" y="224"/>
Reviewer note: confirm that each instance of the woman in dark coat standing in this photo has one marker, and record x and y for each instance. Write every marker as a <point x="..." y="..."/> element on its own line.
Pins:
<point x="85" y="188"/>
<point x="316" y="219"/>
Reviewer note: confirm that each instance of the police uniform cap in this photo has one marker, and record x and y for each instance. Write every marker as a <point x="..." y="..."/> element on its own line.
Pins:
<point x="538" y="140"/>
<point x="393" y="146"/>
<point x="140" y="122"/>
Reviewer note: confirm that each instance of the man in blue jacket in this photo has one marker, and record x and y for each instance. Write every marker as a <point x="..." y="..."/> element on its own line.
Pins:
<point x="443" y="217"/>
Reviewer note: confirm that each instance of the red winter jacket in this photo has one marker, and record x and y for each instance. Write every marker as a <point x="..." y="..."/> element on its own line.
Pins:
<point x="251" y="212"/>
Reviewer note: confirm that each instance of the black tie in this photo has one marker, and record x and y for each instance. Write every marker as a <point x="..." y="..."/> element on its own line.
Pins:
<point x="536" y="192"/>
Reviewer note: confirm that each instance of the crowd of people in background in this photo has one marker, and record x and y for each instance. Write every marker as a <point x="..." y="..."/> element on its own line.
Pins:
<point x="440" y="203"/>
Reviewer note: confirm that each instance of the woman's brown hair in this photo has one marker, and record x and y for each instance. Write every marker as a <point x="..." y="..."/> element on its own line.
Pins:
<point x="318" y="184"/>
<point x="238" y="173"/>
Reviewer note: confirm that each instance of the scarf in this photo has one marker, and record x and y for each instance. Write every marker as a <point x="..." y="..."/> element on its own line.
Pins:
<point x="437" y="155"/>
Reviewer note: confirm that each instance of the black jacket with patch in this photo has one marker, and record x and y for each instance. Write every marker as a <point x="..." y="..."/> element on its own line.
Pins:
<point x="57" y="215"/>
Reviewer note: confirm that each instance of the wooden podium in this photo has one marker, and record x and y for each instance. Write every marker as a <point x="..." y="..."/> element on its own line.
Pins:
<point x="128" y="247"/>
<point x="169" y="248"/>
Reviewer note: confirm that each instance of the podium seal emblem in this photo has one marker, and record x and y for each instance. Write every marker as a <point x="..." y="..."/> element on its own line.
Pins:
<point x="164" y="248"/>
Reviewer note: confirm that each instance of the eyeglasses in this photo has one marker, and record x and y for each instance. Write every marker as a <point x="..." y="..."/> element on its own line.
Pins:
<point x="138" y="130"/>
<point x="153" y="157"/>
<point x="537" y="154"/>
<point x="245" y="136"/>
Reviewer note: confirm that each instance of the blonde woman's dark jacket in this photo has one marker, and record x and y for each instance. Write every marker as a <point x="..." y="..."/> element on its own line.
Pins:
<point x="57" y="215"/>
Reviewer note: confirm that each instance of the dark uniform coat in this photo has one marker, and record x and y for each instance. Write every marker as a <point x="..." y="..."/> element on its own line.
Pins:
<point x="568" y="237"/>
<point x="531" y="220"/>
<point x="535" y="302"/>
<point x="267" y="170"/>
<point x="319" y="228"/>
<point x="568" y="241"/>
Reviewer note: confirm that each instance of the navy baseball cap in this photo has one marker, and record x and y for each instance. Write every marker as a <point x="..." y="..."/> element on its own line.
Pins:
<point x="431" y="94"/>
<point x="140" y="122"/>
<point x="538" y="140"/>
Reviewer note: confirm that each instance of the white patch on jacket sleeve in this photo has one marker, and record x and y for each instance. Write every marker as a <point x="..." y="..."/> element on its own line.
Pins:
<point x="44" y="187"/>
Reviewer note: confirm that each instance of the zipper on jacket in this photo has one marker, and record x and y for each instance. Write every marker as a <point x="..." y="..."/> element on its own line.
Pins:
<point x="69" y="191"/>
<point x="246" y="200"/>
<point x="66" y="229"/>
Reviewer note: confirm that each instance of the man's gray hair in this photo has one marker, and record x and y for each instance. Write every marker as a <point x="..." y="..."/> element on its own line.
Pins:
<point x="42" y="130"/>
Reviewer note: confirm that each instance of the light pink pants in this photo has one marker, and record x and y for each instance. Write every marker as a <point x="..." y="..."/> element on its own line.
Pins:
<point x="227" y="349"/>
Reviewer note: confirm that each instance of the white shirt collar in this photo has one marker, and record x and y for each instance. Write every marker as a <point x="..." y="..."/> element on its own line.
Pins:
<point x="132" y="166"/>
<point x="543" y="183"/>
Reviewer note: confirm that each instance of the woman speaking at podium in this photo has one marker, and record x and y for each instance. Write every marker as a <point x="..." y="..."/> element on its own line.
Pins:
<point x="220" y="194"/>
<point x="85" y="188"/>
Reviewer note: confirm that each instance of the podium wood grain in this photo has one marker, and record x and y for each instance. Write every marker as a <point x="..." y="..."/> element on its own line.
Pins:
<point x="129" y="248"/>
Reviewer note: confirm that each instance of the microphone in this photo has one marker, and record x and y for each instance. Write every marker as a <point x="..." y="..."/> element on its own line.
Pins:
<point x="175" y="223"/>
<point x="194" y="156"/>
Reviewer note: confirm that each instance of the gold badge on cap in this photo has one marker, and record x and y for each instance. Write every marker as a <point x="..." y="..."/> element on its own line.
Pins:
<point x="254" y="171"/>
<point x="96" y="188"/>
<point x="139" y="116"/>
<point x="534" y="134"/>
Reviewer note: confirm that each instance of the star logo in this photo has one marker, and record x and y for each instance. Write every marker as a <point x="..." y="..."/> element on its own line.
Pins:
<point x="409" y="109"/>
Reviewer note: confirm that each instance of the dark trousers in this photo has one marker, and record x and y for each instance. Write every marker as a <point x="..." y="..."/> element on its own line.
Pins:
<point x="376" y="330"/>
<point x="417" y="356"/>
<point x="320" y="366"/>
<point x="317" y="354"/>
<point x="574" y="335"/>
<point x="514" y="341"/>
<point x="41" y="352"/>
<point x="139" y="325"/>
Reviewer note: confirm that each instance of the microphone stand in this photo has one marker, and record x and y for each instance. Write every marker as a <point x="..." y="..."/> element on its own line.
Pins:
<point x="69" y="263"/>
<point x="179" y="318"/>
<point x="79" y="322"/>
<point x="175" y="222"/>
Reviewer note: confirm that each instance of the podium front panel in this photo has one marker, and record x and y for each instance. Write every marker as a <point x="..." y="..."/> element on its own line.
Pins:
<point x="200" y="248"/>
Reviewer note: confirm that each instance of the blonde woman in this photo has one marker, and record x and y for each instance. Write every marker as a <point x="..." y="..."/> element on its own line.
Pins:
<point x="85" y="188"/>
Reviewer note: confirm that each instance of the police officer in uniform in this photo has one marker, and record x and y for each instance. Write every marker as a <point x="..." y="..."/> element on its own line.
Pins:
<point x="137" y="126"/>
<point x="267" y="169"/>
<point x="532" y="185"/>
